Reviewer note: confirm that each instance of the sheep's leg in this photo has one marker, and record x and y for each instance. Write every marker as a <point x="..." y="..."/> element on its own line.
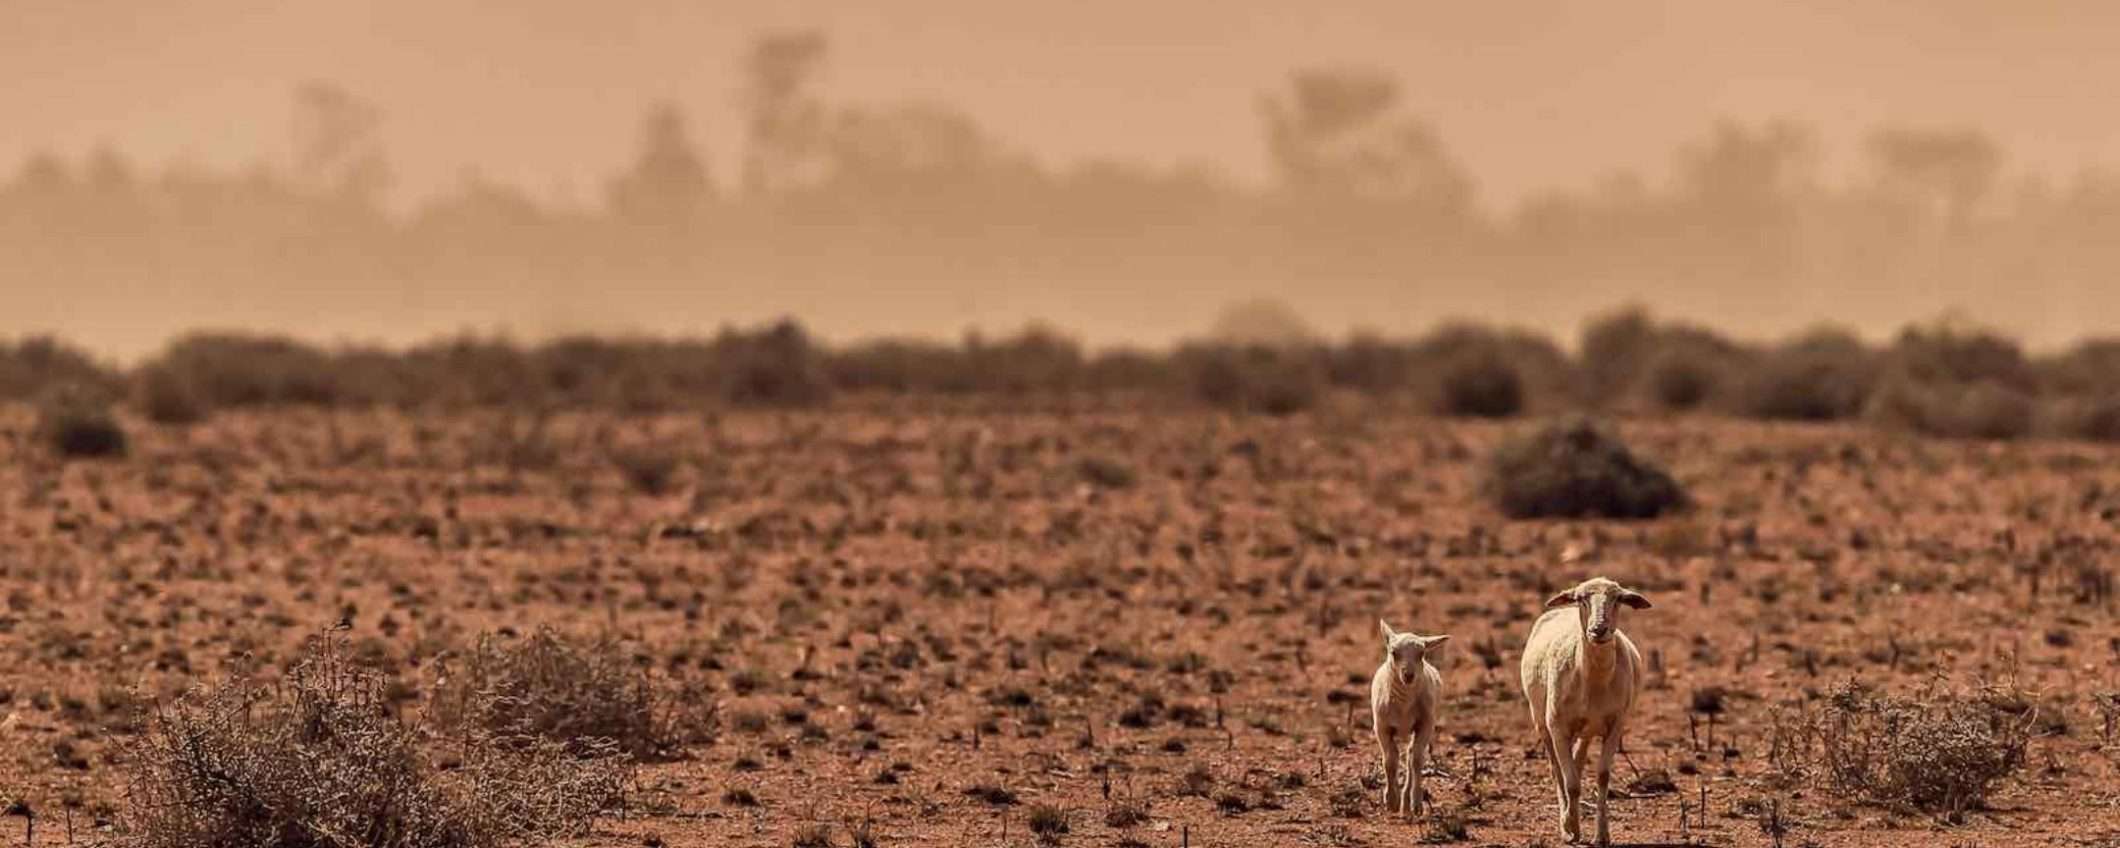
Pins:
<point x="1416" y="760"/>
<point x="1604" y="787"/>
<point x="1570" y="783"/>
<point x="1560" y="784"/>
<point x="1390" y="749"/>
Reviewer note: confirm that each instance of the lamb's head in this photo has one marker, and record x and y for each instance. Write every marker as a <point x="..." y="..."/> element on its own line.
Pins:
<point x="1597" y="601"/>
<point x="1406" y="651"/>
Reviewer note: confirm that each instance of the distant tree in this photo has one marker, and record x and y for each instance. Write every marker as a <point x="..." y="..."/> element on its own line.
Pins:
<point x="668" y="182"/>
<point x="1944" y="173"/>
<point x="913" y="152"/>
<point x="1742" y="189"/>
<point x="338" y="148"/>
<point x="784" y="120"/>
<point x="1344" y="132"/>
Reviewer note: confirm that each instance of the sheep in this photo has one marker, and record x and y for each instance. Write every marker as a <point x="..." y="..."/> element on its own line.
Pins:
<point x="1403" y="699"/>
<point x="1582" y="676"/>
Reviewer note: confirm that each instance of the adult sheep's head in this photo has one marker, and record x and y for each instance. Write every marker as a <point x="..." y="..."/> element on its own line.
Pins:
<point x="1597" y="602"/>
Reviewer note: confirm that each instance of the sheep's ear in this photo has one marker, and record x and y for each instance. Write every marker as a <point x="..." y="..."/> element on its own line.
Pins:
<point x="1432" y="641"/>
<point x="1432" y="647"/>
<point x="1386" y="628"/>
<point x="1634" y="599"/>
<point x="1564" y="599"/>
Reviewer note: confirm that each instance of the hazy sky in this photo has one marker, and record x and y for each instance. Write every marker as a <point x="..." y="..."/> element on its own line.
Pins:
<point x="1530" y="93"/>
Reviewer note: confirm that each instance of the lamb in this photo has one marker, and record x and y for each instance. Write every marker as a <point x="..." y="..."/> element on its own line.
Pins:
<point x="1403" y="700"/>
<point x="1582" y="676"/>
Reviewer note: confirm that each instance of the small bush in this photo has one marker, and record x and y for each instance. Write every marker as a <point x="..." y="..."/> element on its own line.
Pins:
<point x="1482" y="385"/>
<point x="777" y="366"/>
<point x="1985" y="409"/>
<point x="579" y="693"/>
<point x="1275" y="381"/>
<point x="167" y="397"/>
<point x="1048" y="821"/>
<point x="33" y="366"/>
<point x="1946" y="380"/>
<point x="1939" y="752"/>
<point x="2094" y="419"/>
<point x="74" y="423"/>
<point x="648" y="471"/>
<point x="1824" y="376"/>
<point x="1573" y="469"/>
<point x="320" y="761"/>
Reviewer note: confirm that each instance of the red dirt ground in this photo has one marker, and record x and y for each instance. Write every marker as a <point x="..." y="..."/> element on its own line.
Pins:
<point x="988" y="599"/>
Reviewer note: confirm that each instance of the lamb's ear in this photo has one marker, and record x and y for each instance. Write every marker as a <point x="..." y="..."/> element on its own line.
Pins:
<point x="1432" y="647"/>
<point x="1633" y="599"/>
<point x="1386" y="628"/>
<point x="1564" y="599"/>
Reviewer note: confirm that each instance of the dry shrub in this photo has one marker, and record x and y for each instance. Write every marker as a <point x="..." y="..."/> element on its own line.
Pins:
<point x="1940" y="752"/>
<point x="1480" y="371"/>
<point x="578" y="692"/>
<point x="76" y="422"/>
<point x="1823" y="376"/>
<point x="2094" y="419"/>
<point x="320" y="760"/>
<point x="648" y="470"/>
<point x="777" y="366"/>
<point x="1573" y="469"/>
<point x="234" y="369"/>
<point x="1480" y="384"/>
<point x="1627" y="355"/>
<point x="168" y="397"/>
<point x="1986" y="409"/>
<point x="1275" y="381"/>
<point x="38" y="364"/>
<point x="1947" y="380"/>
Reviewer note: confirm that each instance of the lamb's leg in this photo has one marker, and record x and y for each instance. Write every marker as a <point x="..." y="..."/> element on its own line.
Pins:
<point x="1570" y="780"/>
<point x="1604" y="787"/>
<point x="1416" y="760"/>
<point x="1388" y="746"/>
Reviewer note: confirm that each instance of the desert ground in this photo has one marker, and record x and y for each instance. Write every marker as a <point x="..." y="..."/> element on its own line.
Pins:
<point x="926" y="626"/>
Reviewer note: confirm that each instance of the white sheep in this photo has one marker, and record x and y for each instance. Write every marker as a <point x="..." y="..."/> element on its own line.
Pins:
<point x="1403" y="699"/>
<point x="1582" y="677"/>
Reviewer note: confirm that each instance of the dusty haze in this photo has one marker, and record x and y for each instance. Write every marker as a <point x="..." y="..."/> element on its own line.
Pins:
<point x="1107" y="167"/>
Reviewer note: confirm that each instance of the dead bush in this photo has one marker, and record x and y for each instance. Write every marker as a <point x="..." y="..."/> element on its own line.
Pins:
<point x="1823" y="376"/>
<point x="1480" y="384"/>
<point x="168" y="397"/>
<point x="36" y="365"/>
<point x="1275" y="381"/>
<point x="1572" y="468"/>
<point x="2094" y="419"/>
<point x="319" y="759"/>
<point x="1985" y="409"/>
<point x="1956" y="382"/>
<point x="649" y="471"/>
<point x="579" y="692"/>
<point x="1937" y="751"/>
<point x="76" y="422"/>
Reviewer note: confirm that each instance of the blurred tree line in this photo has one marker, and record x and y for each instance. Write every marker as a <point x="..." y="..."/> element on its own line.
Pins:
<point x="1364" y="195"/>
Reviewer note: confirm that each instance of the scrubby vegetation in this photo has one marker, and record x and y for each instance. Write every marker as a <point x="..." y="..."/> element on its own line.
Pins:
<point x="585" y="694"/>
<point x="321" y="760"/>
<point x="1937" y="751"/>
<point x="1573" y="468"/>
<point x="74" y="422"/>
<point x="1942" y="379"/>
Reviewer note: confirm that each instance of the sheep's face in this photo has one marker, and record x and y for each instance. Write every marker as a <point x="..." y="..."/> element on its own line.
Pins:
<point x="1597" y="602"/>
<point x="1406" y="651"/>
